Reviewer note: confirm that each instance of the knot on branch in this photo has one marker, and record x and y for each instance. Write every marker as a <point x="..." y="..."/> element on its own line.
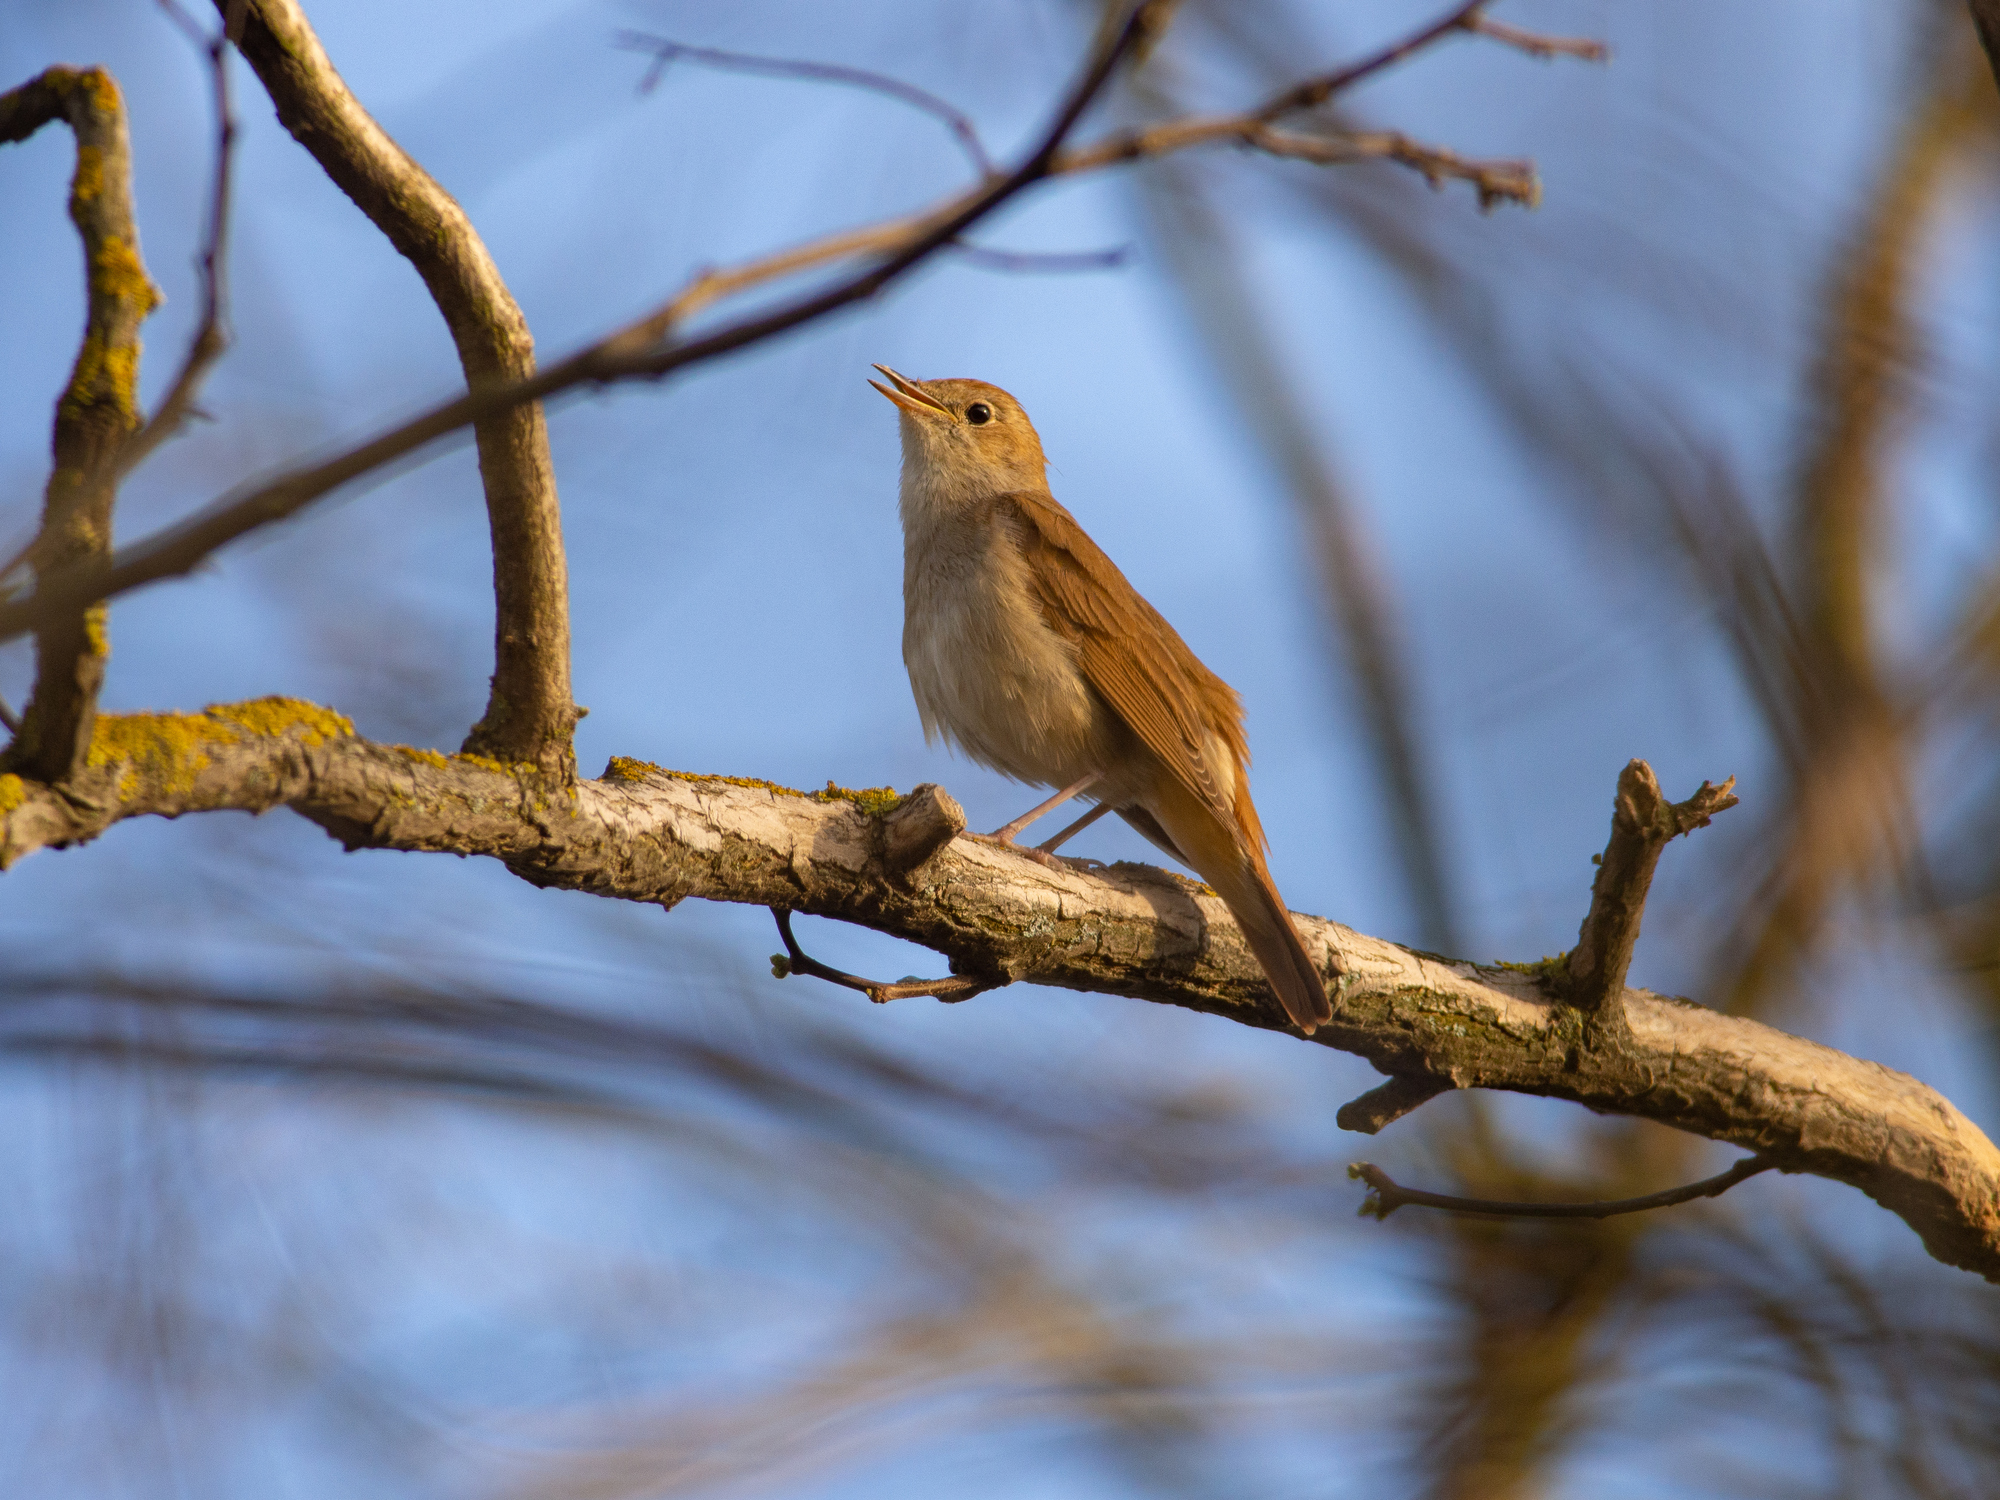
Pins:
<point x="919" y="826"/>
<point x="1643" y="822"/>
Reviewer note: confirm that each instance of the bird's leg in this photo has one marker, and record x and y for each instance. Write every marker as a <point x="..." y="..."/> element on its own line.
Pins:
<point x="1050" y="846"/>
<point x="1004" y="836"/>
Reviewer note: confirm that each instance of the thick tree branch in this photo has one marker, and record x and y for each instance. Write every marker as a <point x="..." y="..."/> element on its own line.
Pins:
<point x="530" y="715"/>
<point x="648" y="835"/>
<point x="645" y="349"/>
<point x="97" y="412"/>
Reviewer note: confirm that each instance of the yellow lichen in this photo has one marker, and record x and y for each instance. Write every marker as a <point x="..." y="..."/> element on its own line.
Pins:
<point x="107" y="373"/>
<point x="13" y="792"/>
<point x="170" y="750"/>
<point x="116" y="271"/>
<point x="873" y="800"/>
<point x="422" y="757"/>
<point x="274" y="716"/>
<point x="104" y="96"/>
<point x="500" y="767"/>
<point x="625" y="768"/>
<point x="89" y="179"/>
<point x="93" y="631"/>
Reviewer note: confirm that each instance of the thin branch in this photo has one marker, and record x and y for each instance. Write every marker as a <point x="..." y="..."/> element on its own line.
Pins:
<point x="631" y="353"/>
<point x="795" y="960"/>
<point x="1535" y="43"/>
<point x="1386" y="1195"/>
<point x="1388" y="1102"/>
<point x="1643" y="822"/>
<point x="665" y="51"/>
<point x="9" y="718"/>
<point x="1314" y="92"/>
<point x="211" y="338"/>
<point x="1057" y="261"/>
<point x="639" y="351"/>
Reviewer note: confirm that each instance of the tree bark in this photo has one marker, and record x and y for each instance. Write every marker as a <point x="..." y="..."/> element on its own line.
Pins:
<point x="650" y="835"/>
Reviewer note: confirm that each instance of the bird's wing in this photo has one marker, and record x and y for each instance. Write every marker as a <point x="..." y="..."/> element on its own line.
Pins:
<point x="1130" y="654"/>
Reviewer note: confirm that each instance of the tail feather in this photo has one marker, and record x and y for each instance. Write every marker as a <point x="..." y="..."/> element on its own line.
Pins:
<point x="1253" y="900"/>
<point x="1229" y="859"/>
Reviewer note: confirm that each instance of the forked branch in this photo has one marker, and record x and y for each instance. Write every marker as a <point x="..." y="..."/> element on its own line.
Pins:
<point x="1643" y="822"/>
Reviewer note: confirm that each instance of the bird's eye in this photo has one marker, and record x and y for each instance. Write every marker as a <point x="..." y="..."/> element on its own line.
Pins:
<point x="979" y="414"/>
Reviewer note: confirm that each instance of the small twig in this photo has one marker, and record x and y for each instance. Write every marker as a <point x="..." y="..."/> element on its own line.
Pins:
<point x="1388" y="1102"/>
<point x="211" y="337"/>
<point x="1044" y="260"/>
<point x="9" y="718"/>
<point x="1314" y="92"/>
<point x="665" y="51"/>
<point x="1643" y="822"/>
<point x="794" y="960"/>
<point x="1535" y="44"/>
<point x="1495" y="181"/>
<point x="1386" y="1195"/>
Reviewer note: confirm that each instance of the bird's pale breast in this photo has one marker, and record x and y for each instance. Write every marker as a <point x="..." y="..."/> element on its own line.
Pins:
<point x="987" y="671"/>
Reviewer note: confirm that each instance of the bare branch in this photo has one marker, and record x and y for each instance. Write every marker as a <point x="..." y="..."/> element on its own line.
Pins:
<point x="211" y="335"/>
<point x="1535" y="44"/>
<point x="1642" y="824"/>
<point x="1496" y="182"/>
<point x="955" y="120"/>
<point x="1388" y="1102"/>
<point x="1314" y="92"/>
<point x="642" y="350"/>
<point x="795" y="960"/>
<point x="96" y="414"/>
<point x="1386" y="1195"/>
<point x="657" y="837"/>
<point x="530" y="714"/>
<point x="1043" y="260"/>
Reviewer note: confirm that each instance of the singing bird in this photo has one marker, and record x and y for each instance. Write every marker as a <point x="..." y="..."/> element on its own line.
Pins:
<point x="1030" y="651"/>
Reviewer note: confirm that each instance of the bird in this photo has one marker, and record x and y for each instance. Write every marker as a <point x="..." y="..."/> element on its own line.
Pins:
<point x="1030" y="652"/>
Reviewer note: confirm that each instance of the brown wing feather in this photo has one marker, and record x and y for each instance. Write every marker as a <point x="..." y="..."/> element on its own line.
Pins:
<point x="1129" y="653"/>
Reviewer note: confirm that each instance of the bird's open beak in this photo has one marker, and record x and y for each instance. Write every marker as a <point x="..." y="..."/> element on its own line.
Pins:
<point x="907" y="394"/>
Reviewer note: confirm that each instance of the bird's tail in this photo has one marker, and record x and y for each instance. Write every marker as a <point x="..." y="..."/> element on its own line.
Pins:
<point x="1232" y="862"/>
<point x="1254" y="901"/>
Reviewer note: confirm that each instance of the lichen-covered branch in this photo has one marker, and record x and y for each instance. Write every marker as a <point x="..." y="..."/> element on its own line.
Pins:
<point x="97" y="412"/>
<point x="644" y="834"/>
<point x="530" y="714"/>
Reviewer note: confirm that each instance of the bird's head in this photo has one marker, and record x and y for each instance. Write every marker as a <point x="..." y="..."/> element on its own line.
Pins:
<point x="964" y="436"/>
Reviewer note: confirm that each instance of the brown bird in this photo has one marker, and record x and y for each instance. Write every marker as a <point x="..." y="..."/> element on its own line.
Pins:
<point x="1030" y="651"/>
